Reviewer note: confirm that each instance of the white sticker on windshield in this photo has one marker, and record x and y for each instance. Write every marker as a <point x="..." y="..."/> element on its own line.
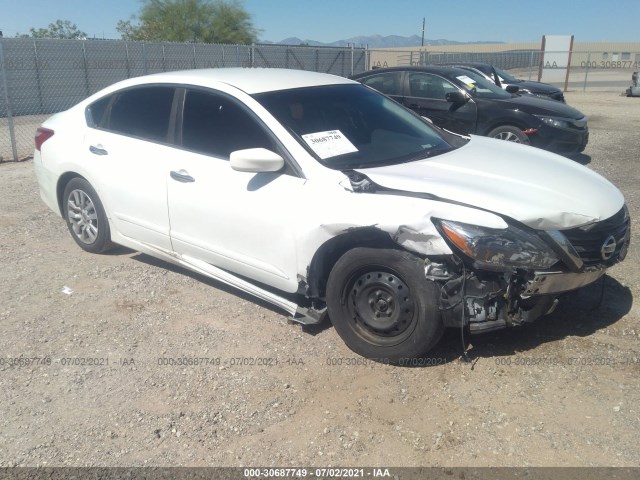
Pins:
<point x="329" y="144"/>
<point x="469" y="81"/>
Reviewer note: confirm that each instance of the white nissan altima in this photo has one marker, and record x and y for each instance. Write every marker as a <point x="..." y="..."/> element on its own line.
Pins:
<point x="318" y="194"/>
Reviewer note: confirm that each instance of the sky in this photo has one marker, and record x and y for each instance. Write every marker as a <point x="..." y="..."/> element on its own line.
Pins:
<point x="332" y="20"/>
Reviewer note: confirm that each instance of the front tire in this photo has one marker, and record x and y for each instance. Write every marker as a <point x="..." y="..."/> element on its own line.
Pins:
<point x="85" y="216"/>
<point x="510" y="134"/>
<point x="382" y="306"/>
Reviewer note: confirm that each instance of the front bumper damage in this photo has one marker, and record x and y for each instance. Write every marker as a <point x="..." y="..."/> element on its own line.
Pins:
<point x="492" y="301"/>
<point x="487" y="301"/>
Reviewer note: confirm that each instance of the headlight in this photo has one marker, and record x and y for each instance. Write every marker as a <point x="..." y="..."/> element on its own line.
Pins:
<point x="555" y="121"/>
<point x="497" y="249"/>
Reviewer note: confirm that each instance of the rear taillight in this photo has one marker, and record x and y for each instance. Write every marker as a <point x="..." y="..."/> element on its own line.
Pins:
<point x="42" y="135"/>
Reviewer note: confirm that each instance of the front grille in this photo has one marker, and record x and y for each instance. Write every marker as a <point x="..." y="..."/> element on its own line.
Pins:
<point x="589" y="240"/>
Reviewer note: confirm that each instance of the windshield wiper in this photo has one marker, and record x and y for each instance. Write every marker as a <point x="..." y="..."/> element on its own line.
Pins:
<point x="428" y="154"/>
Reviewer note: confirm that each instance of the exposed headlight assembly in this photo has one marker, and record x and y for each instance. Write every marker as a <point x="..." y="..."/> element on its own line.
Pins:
<point x="498" y="249"/>
<point x="557" y="122"/>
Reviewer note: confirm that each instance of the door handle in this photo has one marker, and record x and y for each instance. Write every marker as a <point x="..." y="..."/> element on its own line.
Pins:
<point x="182" y="176"/>
<point x="97" y="150"/>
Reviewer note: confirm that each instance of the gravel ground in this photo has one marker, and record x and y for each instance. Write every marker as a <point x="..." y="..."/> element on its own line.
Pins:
<point x="561" y="392"/>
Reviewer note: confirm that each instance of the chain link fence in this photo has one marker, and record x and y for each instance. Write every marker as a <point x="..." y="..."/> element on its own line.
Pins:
<point x="44" y="76"/>
<point x="590" y="70"/>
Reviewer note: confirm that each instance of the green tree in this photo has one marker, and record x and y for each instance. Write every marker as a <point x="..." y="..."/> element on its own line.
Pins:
<point x="60" y="29"/>
<point x="208" y="21"/>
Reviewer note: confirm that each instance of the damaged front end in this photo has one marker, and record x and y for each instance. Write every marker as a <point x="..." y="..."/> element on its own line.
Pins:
<point x="502" y="279"/>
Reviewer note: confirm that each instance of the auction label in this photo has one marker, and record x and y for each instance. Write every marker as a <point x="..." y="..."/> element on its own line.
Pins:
<point x="468" y="81"/>
<point x="329" y="144"/>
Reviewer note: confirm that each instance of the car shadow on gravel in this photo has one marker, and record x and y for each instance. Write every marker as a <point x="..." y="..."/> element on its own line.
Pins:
<point x="156" y="262"/>
<point x="579" y="314"/>
<point x="580" y="158"/>
<point x="118" y="250"/>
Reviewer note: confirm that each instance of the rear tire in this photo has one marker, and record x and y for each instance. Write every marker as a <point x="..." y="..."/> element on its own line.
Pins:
<point x="85" y="216"/>
<point x="382" y="306"/>
<point x="510" y="134"/>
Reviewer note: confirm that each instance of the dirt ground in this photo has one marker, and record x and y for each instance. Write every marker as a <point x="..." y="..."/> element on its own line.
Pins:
<point x="96" y="376"/>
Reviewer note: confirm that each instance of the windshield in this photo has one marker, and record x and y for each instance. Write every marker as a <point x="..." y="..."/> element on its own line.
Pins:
<point x="352" y="126"/>
<point x="506" y="77"/>
<point x="477" y="85"/>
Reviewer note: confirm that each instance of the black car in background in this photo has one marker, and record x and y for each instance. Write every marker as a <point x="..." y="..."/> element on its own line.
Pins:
<point x="504" y="79"/>
<point x="465" y="102"/>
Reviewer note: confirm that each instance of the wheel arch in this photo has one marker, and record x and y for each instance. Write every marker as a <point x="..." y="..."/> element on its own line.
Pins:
<point x="329" y="252"/>
<point x="503" y="123"/>
<point x="64" y="179"/>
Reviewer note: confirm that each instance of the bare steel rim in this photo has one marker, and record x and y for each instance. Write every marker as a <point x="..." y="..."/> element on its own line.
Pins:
<point x="508" y="136"/>
<point x="83" y="217"/>
<point x="381" y="307"/>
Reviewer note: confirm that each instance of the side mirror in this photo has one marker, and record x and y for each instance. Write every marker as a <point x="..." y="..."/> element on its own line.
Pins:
<point x="512" y="88"/>
<point x="455" y="97"/>
<point x="256" y="160"/>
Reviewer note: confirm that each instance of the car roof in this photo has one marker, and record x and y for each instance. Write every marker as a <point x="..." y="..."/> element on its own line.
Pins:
<point x="437" y="69"/>
<point x="249" y="80"/>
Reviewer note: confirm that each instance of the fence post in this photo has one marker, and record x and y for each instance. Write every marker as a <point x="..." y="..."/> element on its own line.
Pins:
<point x="586" y="72"/>
<point x="38" y="83"/>
<point x="5" y="83"/>
<point x="195" y="62"/>
<point x="126" y="51"/>
<point x="144" y="58"/>
<point x="253" y="55"/>
<point x="86" y="69"/>
<point x="164" y="61"/>
<point x="352" y="51"/>
<point x="237" y="56"/>
<point x="224" y="63"/>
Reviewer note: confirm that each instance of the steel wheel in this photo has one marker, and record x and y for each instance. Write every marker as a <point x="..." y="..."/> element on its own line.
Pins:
<point x="381" y="304"/>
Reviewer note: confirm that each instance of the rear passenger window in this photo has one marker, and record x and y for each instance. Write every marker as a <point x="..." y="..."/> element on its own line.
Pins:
<point x="142" y="112"/>
<point x="216" y="125"/>
<point x="387" y="83"/>
<point x="96" y="112"/>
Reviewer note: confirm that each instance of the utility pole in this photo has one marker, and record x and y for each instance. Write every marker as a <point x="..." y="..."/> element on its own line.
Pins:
<point x="423" y="20"/>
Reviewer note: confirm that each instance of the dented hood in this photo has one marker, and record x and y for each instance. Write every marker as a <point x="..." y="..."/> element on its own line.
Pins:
<point x="540" y="189"/>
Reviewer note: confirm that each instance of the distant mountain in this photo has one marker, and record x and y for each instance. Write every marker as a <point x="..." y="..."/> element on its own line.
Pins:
<point x="375" y="41"/>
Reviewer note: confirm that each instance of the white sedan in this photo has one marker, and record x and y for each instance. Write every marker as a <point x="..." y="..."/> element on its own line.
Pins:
<point x="316" y="193"/>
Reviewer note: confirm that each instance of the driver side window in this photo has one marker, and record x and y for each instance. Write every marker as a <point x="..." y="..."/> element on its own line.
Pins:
<point x="215" y="125"/>
<point x="425" y="85"/>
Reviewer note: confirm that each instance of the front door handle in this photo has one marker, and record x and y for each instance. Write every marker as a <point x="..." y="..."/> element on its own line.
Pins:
<point x="182" y="176"/>
<point x="98" y="150"/>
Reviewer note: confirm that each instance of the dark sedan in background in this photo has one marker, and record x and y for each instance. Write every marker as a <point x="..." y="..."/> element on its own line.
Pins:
<point x="466" y="102"/>
<point x="504" y="79"/>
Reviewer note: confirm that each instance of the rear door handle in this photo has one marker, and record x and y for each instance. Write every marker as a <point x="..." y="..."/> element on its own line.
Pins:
<point x="182" y="176"/>
<point x="98" y="150"/>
